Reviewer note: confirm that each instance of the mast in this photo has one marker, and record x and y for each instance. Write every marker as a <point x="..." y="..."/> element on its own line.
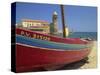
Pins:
<point x="63" y="21"/>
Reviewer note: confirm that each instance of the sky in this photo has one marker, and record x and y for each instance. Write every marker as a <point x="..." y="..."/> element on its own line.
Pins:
<point x="77" y="18"/>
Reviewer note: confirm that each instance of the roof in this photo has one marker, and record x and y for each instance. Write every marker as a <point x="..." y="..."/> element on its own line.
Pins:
<point x="29" y="20"/>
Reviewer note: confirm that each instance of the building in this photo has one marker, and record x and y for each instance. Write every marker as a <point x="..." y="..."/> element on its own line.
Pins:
<point x="36" y="25"/>
<point x="40" y="25"/>
<point x="55" y="22"/>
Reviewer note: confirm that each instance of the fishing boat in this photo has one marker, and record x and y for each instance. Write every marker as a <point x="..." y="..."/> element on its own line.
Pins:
<point x="36" y="50"/>
<point x="33" y="52"/>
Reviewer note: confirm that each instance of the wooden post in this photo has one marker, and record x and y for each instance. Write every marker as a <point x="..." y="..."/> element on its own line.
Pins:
<point x="63" y="21"/>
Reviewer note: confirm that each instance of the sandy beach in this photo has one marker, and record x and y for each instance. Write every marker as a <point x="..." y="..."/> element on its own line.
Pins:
<point x="92" y="61"/>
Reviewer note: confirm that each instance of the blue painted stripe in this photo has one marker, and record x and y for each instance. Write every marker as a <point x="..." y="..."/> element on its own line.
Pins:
<point x="48" y="44"/>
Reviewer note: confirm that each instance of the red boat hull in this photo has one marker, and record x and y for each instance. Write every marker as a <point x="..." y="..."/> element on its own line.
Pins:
<point x="29" y="58"/>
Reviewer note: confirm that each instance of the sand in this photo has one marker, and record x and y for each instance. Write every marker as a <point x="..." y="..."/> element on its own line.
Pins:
<point x="92" y="61"/>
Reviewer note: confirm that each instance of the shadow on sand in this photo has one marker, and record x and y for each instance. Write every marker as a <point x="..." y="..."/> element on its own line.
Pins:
<point x="75" y="65"/>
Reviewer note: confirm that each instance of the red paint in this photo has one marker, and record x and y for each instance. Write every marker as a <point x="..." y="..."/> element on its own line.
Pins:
<point x="28" y="58"/>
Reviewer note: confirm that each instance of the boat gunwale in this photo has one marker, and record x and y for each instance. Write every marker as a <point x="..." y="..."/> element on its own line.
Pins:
<point x="48" y="35"/>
